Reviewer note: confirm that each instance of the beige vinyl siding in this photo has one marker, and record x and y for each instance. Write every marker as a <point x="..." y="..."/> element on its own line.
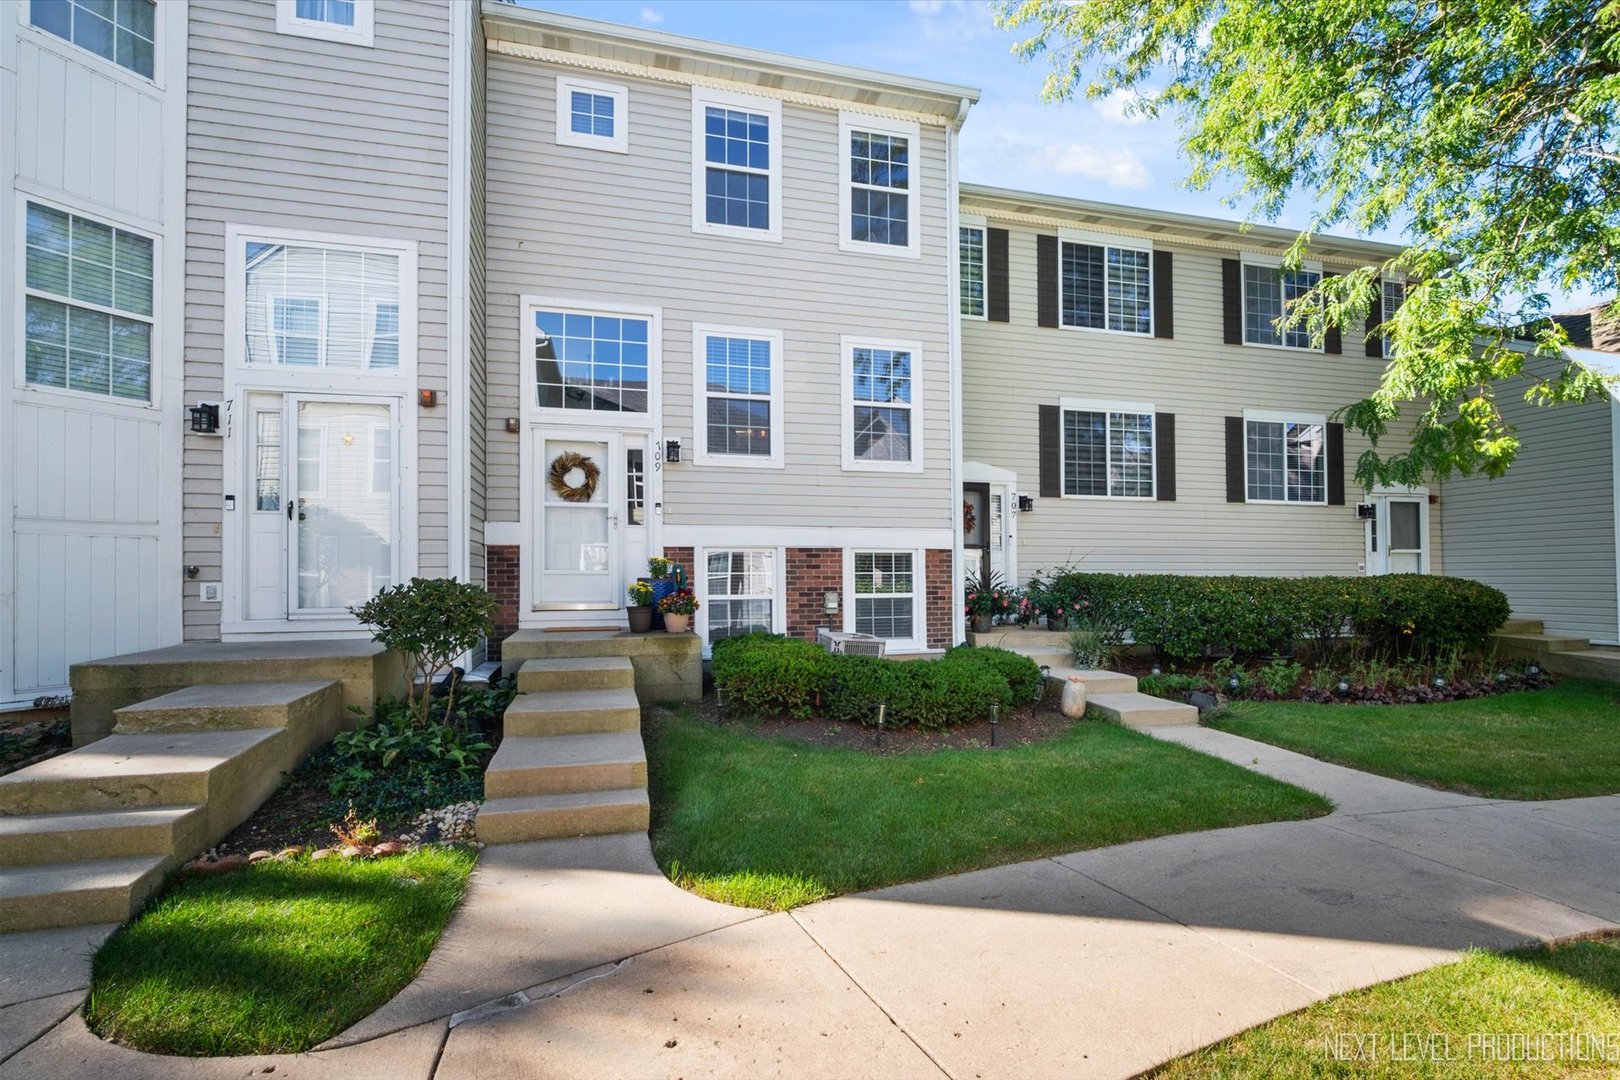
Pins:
<point x="1544" y="532"/>
<point x="478" y="405"/>
<point x="296" y="133"/>
<point x="1010" y="369"/>
<point x="584" y="224"/>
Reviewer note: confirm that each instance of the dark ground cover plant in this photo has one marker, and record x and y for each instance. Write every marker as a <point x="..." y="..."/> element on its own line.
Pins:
<point x="1185" y="617"/>
<point x="767" y="675"/>
<point x="1358" y="682"/>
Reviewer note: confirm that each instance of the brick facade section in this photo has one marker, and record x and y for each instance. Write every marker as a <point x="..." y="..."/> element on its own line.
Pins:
<point x="811" y="573"/>
<point x="683" y="557"/>
<point x="501" y="570"/>
<point x="938" y="601"/>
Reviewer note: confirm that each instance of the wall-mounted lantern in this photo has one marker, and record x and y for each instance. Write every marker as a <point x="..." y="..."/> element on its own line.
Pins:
<point x="1026" y="503"/>
<point x="206" y="417"/>
<point x="672" y="451"/>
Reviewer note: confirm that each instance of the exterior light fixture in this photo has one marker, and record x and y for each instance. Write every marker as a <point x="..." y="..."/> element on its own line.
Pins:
<point x="1439" y="682"/>
<point x="672" y="451"/>
<point x="1234" y="682"/>
<point x="427" y="398"/>
<point x="204" y="418"/>
<point x="829" y="601"/>
<point x="511" y="425"/>
<point x="1344" y="686"/>
<point x="1535" y="669"/>
<point x="1157" y="670"/>
<point x="1501" y="676"/>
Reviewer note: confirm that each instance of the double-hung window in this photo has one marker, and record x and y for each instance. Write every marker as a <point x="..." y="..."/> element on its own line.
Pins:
<point x="884" y="585"/>
<point x="1108" y="449"/>
<point x="87" y="306"/>
<point x="742" y="592"/>
<point x="882" y="411"/>
<point x="1394" y="295"/>
<point x="971" y="267"/>
<point x="1285" y="458"/>
<point x="738" y="395"/>
<point x="878" y="196"/>
<point x="593" y="114"/>
<point x="736" y="164"/>
<point x="1105" y="284"/>
<point x="1270" y="292"/>
<point x="122" y="31"/>
<point x="323" y="305"/>
<point x="346" y="21"/>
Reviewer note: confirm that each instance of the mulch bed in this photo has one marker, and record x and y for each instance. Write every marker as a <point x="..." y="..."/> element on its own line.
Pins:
<point x="1021" y="726"/>
<point x="35" y="741"/>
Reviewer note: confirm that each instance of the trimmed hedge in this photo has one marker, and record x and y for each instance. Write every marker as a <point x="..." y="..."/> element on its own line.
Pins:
<point x="1184" y="617"/>
<point x="767" y="675"/>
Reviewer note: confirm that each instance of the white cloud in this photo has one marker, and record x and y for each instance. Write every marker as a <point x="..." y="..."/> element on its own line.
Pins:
<point x="651" y="16"/>
<point x="1118" y="166"/>
<point x="926" y="7"/>
<point x="1115" y="107"/>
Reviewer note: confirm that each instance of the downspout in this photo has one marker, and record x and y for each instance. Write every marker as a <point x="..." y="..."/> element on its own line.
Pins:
<point x="953" y="248"/>
<point x="458" y="346"/>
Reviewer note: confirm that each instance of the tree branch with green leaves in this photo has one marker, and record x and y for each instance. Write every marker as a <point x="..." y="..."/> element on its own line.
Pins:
<point x="1483" y="131"/>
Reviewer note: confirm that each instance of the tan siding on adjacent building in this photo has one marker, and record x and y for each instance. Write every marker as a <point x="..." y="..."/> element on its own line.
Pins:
<point x="1009" y="369"/>
<point x="1544" y="533"/>
<point x="587" y="224"/>
<point x="295" y="133"/>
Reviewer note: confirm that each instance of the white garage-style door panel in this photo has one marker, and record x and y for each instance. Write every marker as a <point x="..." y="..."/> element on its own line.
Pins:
<point x="81" y="597"/>
<point x="77" y="465"/>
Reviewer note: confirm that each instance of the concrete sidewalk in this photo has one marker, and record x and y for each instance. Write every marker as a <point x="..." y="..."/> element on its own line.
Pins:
<point x="577" y="958"/>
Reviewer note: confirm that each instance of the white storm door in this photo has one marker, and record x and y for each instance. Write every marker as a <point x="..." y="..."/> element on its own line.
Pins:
<point x="581" y="522"/>
<point x="1405" y="535"/>
<point x="342" y="502"/>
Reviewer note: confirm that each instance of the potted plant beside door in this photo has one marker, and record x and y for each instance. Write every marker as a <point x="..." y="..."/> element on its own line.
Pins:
<point x="640" y="609"/>
<point x="678" y="608"/>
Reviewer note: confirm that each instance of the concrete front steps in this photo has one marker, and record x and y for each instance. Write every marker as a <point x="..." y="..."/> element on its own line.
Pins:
<point x="667" y="667"/>
<point x="1527" y="639"/>
<point x="87" y="835"/>
<point x="571" y="760"/>
<point x="1111" y="694"/>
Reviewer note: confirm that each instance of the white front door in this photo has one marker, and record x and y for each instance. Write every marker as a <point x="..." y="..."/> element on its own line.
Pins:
<point x="322" y="509"/>
<point x="1398" y="535"/>
<point x="581" y="522"/>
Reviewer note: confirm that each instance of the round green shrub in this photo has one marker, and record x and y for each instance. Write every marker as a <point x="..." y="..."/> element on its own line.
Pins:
<point x="769" y="675"/>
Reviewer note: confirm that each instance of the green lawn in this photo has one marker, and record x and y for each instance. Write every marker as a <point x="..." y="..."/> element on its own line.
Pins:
<point x="1561" y="743"/>
<point x="768" y="822"/>
<point x="272" y="958"/>
<point x="1441" y="1020"/>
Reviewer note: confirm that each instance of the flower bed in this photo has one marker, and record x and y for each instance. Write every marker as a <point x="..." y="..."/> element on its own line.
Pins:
<point x="769" y="675"/>
<point x="1366" y="683"/>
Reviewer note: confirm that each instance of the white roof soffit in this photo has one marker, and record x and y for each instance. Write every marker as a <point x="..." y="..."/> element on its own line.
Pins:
<point x="633" y="51"/>
<point x="1189" y="229"/>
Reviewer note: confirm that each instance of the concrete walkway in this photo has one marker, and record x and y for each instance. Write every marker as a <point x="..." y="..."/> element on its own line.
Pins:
<point x="576" y="957"/>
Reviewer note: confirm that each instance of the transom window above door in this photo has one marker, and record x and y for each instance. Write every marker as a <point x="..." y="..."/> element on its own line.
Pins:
<point x="736" y="164"/>
<point x="738" y="396"/>
<point x="1105" y="286"/>
<point x="308" y="305"/>
<point x="589" y="362"/>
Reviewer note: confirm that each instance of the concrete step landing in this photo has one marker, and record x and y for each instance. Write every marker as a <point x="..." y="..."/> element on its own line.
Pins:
<point x="577" y="673"/>
<point x="1141" y="710"/>
<point x="77" y="893"/>
<point x="33" y="839"/>
<point x="549" y="817"/>
<point x="1097" y="681"/>
<point x="565" y="764"/>
<point x="573" y="712"/>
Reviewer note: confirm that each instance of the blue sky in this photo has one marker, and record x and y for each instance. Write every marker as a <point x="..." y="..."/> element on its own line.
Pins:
<point x="1086" y="149"/>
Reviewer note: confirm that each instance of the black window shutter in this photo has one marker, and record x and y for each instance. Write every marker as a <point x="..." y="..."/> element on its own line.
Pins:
<point x="1232" y="300"/>
<point x="1164" y="435"/>
<point x="1046" y="283"/>
<point x="1051" y="455"/>
<point x="1335" y="464"/>
<point x="1234" y="460"/>
<point x="1164" y="319"/>
<point x="1332" y="341"/>
<point x="1375" y="315"/>
<point x="995" y="275"/>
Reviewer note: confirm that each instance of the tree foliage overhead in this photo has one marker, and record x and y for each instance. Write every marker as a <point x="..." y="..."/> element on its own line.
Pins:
<point x="1483" y="130"/>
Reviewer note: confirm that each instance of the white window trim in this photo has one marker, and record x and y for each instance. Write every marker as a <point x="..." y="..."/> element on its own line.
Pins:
<point x="67" y="49"/>
<point x="848" y="123"/>
<point x="702" y="98"/>
<point x="701" y="332"/>
<point x="700" y="586"/>
<point x="1105" y="241"/>
<point x="1272" y="416"/>
<point x="1275" y="262"/>
<point x="619" y="141"/>
<point x="918" y="642"/>
<point x="1384" y="281"/>
<point x="528" y="382"/>
<point x="1137" y="408"/>
<point x="847" y="346"/>
<point x="23" y="292"/>
<point x="288" y="22"/>
<point x="979" y="222"/>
